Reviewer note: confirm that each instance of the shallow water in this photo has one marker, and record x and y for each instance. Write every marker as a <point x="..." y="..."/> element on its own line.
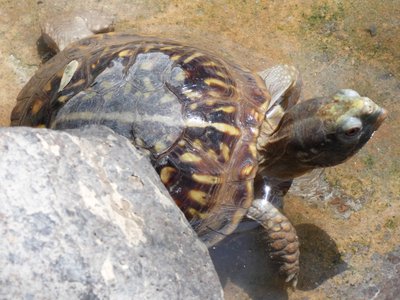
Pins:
<point x="350" y="225"/>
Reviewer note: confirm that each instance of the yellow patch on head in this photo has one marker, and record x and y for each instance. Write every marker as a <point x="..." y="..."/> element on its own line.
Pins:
<point x="181" y="143"/>
<point x="166" y="174"/>
<point x="190" y="157"/>
<point x="206" y="179"/>
<point x="198" y="196"/>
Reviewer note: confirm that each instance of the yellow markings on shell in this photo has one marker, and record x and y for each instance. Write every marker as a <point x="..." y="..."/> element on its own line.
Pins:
<point x="190" y="157"/>
<point x="209" y="64"/>
<point x="48" y="87"/>
<point x="253" y="150"/>
<point x="225" y="151"/>
<point x="198" y="196"/>
<point x="139" y="142"/>
<point x="237" y="216"/>
<point x="175" y="57"/>
<point x="193" y="56"/>
<point x="214" y="94"/>
<point x="193" y="106"/>
<point x="147" y="65"/>
<point x="225" y="128"/>
<point x="159" y="146"/>
<point x="108" y="96"/>
<point x="210" y="102"/>
<point x="247" y="170"/>
<point x="166" y="174"/>
<point x="36" y="106"/>
<point x="206" y="179"/>
<point x="79" y="82"/>
<point x="211" y="153"/>
<point x="125" y="53"/>
<point x="216" y="82"/>
<point x="193" y="212"/>
<point x="127" y="89"/>
<point x="181" y="143"/>
<point x="62" y="99"/>
<point x="226" y="109"/>
<point x="148" y="84"/>
<point x="167" y="98"/>
<point x="106" y="84"/>
<point x="180" y="76"/>
<point x="166" y="48"/>
<point x="220" y="74"/>
<point x="197" y="144"/>
<point x="147" y="48"/>
<point x="249" y="189"/>
<point x="193" y="95"/>
<point x="69" y="72"/>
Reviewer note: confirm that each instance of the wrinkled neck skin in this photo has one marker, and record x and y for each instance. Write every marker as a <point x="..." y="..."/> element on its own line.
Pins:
<point x="278" y="159"/>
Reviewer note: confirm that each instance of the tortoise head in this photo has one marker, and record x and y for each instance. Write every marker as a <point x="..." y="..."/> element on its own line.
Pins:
<point x="319" y="132"/>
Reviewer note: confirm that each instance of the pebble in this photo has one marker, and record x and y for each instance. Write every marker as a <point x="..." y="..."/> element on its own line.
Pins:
<point x="372" y="29"/>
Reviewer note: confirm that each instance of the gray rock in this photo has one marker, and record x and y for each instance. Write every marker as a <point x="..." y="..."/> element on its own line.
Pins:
<point x="83" y="215"/>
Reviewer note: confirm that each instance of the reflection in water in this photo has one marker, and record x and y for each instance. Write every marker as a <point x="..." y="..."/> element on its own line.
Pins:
<point x="242" y="263"/>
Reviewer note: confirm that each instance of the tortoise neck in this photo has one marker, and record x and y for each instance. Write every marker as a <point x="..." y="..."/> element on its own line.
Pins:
<point x="277" y="155"/>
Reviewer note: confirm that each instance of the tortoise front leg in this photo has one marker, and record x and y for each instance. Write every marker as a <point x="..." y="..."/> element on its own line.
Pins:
<point x="282" y="238"/>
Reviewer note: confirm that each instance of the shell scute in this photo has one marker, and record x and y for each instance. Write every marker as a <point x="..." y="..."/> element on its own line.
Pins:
<point x="205" y="154"/>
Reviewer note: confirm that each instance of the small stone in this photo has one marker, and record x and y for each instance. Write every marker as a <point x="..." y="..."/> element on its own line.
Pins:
<point x="372" y="29"/>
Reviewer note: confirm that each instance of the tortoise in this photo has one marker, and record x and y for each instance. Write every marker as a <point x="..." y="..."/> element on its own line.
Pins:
<point x="219" y="135"/>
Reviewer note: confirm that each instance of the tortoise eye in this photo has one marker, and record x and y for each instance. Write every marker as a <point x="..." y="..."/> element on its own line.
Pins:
<point x="351" y="126"/>
<point x="352" y="131"/>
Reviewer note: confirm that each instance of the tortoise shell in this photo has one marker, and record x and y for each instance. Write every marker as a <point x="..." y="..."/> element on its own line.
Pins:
<point x="196" y="115"/>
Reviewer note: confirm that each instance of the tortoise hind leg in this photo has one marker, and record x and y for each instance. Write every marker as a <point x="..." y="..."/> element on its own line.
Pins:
<point x="282" y="238"/>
